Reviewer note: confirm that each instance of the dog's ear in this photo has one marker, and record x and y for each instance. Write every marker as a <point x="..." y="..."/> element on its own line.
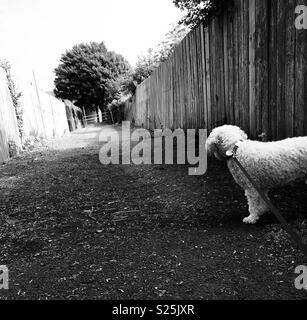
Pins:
<point x="218" y="156"/>
<point x="211" y="145"/>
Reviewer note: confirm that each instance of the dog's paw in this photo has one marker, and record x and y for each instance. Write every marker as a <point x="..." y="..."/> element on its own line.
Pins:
<point x="250" y="220"/>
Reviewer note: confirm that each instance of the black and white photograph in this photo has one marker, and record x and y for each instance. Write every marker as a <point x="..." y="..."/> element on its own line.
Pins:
<point x="153" y="151"/>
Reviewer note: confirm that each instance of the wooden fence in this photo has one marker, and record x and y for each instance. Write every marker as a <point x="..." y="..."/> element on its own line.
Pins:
<point x="75" y="117"/>
<point x="248" y="67"/>
<point x="43" y="116"/>
<point x="9" y="132"/>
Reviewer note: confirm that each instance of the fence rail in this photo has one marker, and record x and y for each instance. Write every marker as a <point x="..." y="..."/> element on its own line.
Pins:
<point x="105" y="116"/>
<point x="248" y="67"/>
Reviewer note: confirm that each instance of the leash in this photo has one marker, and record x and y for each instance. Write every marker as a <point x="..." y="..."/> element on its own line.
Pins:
<point x="297" y="239"/>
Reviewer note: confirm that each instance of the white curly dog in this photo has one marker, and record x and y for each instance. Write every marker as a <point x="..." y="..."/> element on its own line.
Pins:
<point x="270" y="164"/>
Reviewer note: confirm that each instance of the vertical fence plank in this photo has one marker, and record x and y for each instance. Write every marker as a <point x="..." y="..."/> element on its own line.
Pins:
<point x="199" y="77"/>
<point x="193" y="88"/>
<point x="236" y="68"/>
<point x="212" y="66"/>
<point x="203" y="72"/>
<point x="180" y="93"/>
<point x="300" y="113"/>
<point x="208" y="77"/>
<point x="230" y="58"/>
<point x="272" y="114"/>
<point x="221" y="72"/>
<point x="290" y="75"/>
<point x="183" y="84"/>
<point x="198" y="81"/>
<point x="240" y="26"/>
<point x="245" y="65"/>
<point x="186" y="84"/>
<point x="194" y="84"/>
<point x="281" y="67"/>
<point x="252" y="80"/>
<point x="261" y="65"/>
<point x="226" y="66"/>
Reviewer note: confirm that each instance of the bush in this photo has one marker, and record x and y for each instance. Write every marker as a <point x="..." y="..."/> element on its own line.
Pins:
<point x="200" y="11"/>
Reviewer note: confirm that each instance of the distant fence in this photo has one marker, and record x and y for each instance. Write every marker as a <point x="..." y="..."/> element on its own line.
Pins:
<point x="248" y="67"/>
<point x="93" y="117"/>
<point x="75" y="117"/>
<point x="43" y="116"/>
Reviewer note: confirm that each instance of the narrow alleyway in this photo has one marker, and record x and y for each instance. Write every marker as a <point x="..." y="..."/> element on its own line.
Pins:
<point x="73" y="228"/>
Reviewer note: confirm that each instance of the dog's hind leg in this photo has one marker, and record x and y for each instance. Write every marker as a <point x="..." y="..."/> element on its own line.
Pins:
<point x="256" y="206"/>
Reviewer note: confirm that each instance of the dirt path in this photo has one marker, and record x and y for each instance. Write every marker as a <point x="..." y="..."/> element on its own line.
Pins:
<point x="76" y="229"/>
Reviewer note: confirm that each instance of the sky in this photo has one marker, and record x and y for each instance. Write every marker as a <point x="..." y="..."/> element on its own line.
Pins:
<point x="35" y="33"/>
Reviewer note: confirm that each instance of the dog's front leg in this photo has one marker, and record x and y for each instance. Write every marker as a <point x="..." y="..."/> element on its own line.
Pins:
<point x="256" y="206"/>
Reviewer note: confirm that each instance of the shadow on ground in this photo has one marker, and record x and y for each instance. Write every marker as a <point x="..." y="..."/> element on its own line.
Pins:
<point x="75" y="229"/>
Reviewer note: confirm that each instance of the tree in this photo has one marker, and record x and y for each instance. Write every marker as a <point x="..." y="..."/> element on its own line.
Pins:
<point x="90" y="75"/>
<point x="146" y="64"/>
<point x="199" y="10"/>
<point x="166" y="47"/>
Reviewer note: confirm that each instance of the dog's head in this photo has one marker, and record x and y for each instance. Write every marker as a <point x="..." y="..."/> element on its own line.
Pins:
<point x="223" y="139"/>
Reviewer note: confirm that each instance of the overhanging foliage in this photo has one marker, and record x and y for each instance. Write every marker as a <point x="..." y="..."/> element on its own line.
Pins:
<point x="200" y="10"/>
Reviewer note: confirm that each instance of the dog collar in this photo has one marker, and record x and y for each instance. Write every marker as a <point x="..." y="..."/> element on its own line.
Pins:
<point x="233" y="153"/>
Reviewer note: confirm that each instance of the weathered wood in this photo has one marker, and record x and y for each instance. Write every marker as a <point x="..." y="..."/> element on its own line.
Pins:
<point x="208" y="77"/>
<point x="221" y="73"/>
<point x="43" y="116"/>
<point x="230" y="57"/>
<point x="281" y="66"/>
<point x="289" y="72"/>
<point x="261" y="66"/>
<point x="213" y="74"/>
<point x="203" y="72"/>
<point x="272" y="72"/>
<point x="252" y="79"/>
<point x="240" y="26"/>
<point x="225" y="65"/>
<point x="300" y="113"/>
<point x="236" y="66"/>
<point x="247" y="67"/>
